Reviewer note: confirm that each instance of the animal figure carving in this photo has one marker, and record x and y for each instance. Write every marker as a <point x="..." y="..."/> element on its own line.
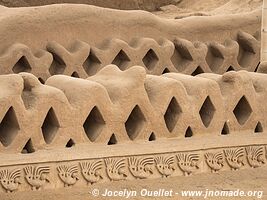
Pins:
<point x="235" y="158"/>
<point x="255" y="156"/>
<point x="68" y="174"/>
<point x="92" y="171"/>
<point x="188" y="163"/>
<point x="36" y="176"/>
<point x="10" y="180"/>
<point x="165" y="165"/>
<point x="214" y="161"/>
<point x="141" y="167"/>
<point x="116" y="169"/>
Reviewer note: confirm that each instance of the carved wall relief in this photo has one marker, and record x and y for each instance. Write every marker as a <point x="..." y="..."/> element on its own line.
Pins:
<point x="116" y="169"/>
<point x="215" y="161"/>
<point x="68" y="174"/>
<point x="92" y="171"/>
<point x="188" y="163"/>
<point x="37" y="176"/>
<point x="235" y="157"/>
<point x="10" y="179"/>
<point x="165" y="165"/>
<point x="141" y="167"/>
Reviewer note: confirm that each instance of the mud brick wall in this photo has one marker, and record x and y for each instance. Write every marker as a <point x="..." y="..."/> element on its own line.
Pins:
<point x="117" y="106"/>
<point x="157" y="57"/>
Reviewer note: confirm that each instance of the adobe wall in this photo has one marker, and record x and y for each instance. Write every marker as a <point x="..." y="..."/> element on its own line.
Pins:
<point x="126" y="122"/>
<point x="149" y="5"/>
<point x="172" y="119"/>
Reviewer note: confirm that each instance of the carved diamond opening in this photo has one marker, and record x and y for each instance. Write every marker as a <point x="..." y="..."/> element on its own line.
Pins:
<point x="50" y="126"/>
<point x="198" y="70"/>
<point x="9" y="127"/>
<point x="152" y="137"/>
<point x="206" y="112"/>
<point x="246" y="52"/>
<point x="225" y="130"/>
<point x="258" y="128"/>
<point x="181" y="57"/>
<point x="22" y="66"/>
<point x="214" y="58"/>
<point x="93" y="124"/>
<point x="172" y="114"/>
<point x="242" y="111"/>
<point x="135" y="122"/>
<point x="92" y="64"/>
<point x="70" y="143"/>
<point x="112" y="140"/>
<point x="58" y="65"/>
<point x="28" y="148"/>
<point x="121" y="60"/>
<point x="188" y="132"/>
<point x="150" y="60"/>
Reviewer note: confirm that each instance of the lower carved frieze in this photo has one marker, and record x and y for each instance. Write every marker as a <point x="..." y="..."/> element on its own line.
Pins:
<point x="92" y="171"/>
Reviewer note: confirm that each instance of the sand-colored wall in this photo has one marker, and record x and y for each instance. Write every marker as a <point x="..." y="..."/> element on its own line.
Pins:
<point x="35" y="26"/>
<point x="157" y="57"/>
<point x="116" y="4"/>
<point x="129" y="104"/>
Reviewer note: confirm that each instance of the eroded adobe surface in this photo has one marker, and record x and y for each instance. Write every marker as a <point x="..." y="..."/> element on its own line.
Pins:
<point x="57" y="40"/>
<point x="182" y="115"/>
<point x="157" y="57"/>
<point x="150" y="5"/>
<point x="171" y="103"/>
<point x="95" y="109"/>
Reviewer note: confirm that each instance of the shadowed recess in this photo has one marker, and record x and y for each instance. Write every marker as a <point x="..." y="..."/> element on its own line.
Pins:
<point x="50" y="126"/>
<point x="41" y="80"/>
<point x="257" y="67"/>
<point x="152" y="137"/>
<point x="75" y="75"/>
<point x="214" y="58"/>
<point x="135" y="122"/>
<point x="92" y="64"/>
<point x="198" y="70"/>
<point x="225" y="130"/>
<point x="246" y="52"/>
<point x="188" y="132"/>
<point x="112" y="140"/>
<point x="242" y="111"/>
<point x="258" y="128"/>
<point x="9" y="127"/>
<point x="181" y="57"/>
<point x="150" y="60"/>
<point x="22" y="65"/>
<point x="121" y="60"/>
<point x="166" y="70"/>
<point x="230" y="69"/>
<point x="70" y="143"/>
<point x="28" y="148"/>
<point x="206" y="112"/>
<point x="172" y="114"/>
<point x="94" y="124"/>
<point x="58" y="65"/>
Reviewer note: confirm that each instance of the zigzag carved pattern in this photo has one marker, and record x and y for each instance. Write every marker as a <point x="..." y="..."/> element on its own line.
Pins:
<point x="157" y="57"/>
<point x="117" y="106"/>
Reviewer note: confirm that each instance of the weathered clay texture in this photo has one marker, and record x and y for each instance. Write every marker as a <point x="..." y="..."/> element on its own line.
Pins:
<point x="183" y="56"/>
<point x="121" y="106"/>
<point x="46" y="41"/>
